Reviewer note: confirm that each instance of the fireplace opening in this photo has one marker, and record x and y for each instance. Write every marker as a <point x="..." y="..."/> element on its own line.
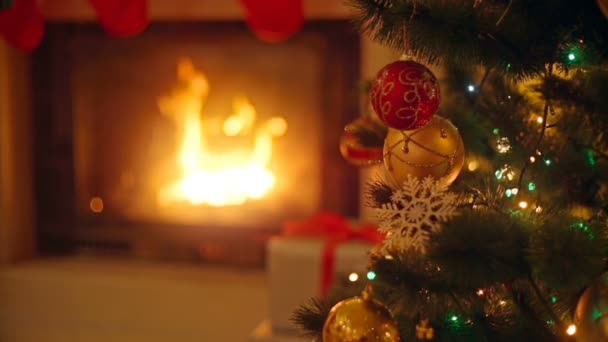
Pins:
<point x="190" y="141"/>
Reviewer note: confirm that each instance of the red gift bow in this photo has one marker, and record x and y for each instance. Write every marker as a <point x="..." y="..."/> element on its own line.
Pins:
<point x="335" y="229"/>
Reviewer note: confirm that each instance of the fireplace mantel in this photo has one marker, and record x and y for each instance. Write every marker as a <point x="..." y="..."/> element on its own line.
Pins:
<point x="80" y="10"/>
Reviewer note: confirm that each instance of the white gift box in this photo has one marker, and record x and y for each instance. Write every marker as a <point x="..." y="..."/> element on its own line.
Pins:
<point x="294" y="272"/>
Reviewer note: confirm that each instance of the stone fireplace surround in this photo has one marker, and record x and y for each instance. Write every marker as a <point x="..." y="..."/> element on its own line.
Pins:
<point x="88" y="299"/>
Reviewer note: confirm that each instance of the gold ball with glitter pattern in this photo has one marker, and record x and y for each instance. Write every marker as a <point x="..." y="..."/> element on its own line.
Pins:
<point x="591" y="314"/>
<point x="434" y="150"/>
<point x="360" y="319"/>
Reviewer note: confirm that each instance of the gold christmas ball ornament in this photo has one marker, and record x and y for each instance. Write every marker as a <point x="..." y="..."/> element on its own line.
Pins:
<point x="360" y="319"/>
<point x="603" y="5"/>
<point x="434" y="150"/>
<point x="424" y="331"/>
<point x="591" y="315"/>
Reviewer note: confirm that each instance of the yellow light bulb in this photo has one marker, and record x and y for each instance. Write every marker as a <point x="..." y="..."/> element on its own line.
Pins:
<point x="353" y="277"/>
<point x="532" y="159"/>
<point x="96" y="204"/>
<point x="523" y="204"/>
<point x="539" y="119"/>
<point x="571" y="329"/>
<point x="473" y="165"/>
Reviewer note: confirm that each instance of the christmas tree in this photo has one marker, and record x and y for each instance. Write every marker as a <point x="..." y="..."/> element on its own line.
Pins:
<point x="508" y="241"/>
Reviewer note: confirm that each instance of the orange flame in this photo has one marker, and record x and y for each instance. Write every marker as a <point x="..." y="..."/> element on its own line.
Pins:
<point x="229" y="178"/>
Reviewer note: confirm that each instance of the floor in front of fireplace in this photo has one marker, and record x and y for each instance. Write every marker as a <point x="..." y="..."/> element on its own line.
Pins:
<point x="84" y="299"/>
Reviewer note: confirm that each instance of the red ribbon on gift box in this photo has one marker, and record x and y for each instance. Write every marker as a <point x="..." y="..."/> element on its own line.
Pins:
<point x="335" y="229"/>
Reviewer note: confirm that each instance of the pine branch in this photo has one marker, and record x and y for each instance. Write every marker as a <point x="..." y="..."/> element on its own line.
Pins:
<point x="532" y="321"/>
<point x="567" y="253"/>
<point x="480" y="248"/>
<point x="541" y="298"/>
<point x="378" y="193"/>
<point x="439" y="31"/>
<point x="412" y="286"/>
<point x="536" y="147"/>
<point x="370" y="135"/>
<point x="518" y="43"/>
<point x="311" y="317"/>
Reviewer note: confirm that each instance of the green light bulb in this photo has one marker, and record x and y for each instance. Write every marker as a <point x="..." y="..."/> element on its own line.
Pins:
<point x="590" y="157"/>
<point x="531" y="186"/>
<point x="571" y="56"/>
<point x="371" y="275"/>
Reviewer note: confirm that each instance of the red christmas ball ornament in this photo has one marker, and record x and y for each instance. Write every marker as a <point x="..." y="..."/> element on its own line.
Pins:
<point x="362" y="142"/>
<point x="405" y="95"/>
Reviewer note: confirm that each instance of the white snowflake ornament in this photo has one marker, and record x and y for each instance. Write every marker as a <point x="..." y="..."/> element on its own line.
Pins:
<point x="416" y="209"/>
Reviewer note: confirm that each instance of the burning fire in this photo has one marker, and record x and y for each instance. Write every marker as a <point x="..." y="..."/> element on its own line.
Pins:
<point x="217" y="179"/>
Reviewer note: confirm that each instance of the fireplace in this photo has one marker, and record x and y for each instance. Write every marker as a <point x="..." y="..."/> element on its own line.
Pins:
<point x="191" y="140"/>
<point x="56" y="201"/>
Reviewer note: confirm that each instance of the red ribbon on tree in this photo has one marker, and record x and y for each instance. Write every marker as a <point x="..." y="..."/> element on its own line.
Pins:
<point x="335" y="229"/>
<point x="274" y="20"/>
<point x="22" y="25"/>
<point x="122" y="17"/>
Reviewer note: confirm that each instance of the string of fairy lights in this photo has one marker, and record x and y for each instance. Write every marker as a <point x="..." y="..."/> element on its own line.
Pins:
<point x="503" y="145"/>
<point x="456" y="320"/>
<point x="507" y="174"/>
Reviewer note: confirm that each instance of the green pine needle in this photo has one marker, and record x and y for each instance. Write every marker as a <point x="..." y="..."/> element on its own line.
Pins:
<point x="378" y="193"/>
<point x="568" y="254"/>
<point x="514" y="40"/>
<point x="371" y="135"/>
<point x="311" y="316"/>
<point x="480" y="248"/>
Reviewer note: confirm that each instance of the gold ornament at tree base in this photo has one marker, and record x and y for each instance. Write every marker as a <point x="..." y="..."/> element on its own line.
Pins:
<point x="603" y="5"/>
<point x="591" y="315"/>
<point x="434" y="150"/>
<point x="424" y="331"/>
<point x="360" y="319"/>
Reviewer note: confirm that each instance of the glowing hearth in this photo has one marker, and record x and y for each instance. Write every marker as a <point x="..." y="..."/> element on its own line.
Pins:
<point x="229" y="177"/>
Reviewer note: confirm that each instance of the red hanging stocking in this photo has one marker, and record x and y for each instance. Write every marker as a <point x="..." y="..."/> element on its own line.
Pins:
<point x="122" y="17"/>
<point x="274" y="20"/>
<point x="22" y="25"/>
